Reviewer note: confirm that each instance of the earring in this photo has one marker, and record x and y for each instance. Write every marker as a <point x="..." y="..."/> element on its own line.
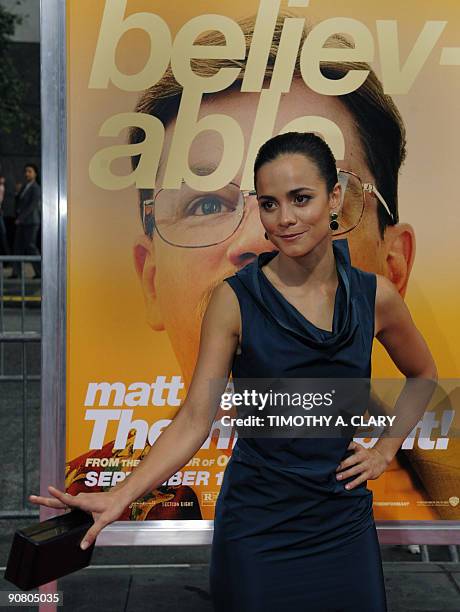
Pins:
<point x="266" y="236"/>
<point x="333" y="224"/>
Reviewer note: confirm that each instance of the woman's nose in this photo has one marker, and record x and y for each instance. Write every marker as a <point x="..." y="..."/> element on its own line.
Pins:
<point x="286" y="214"/>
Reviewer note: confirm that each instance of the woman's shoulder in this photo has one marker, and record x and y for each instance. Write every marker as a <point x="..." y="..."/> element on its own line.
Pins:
<point x="222" y="300"/>
<point x="387" y="294"/>
<point x="242" y="275"/>
<point x="223" y="305"/>
<point x="364" y="283"/>
<point x="364" y="277"/>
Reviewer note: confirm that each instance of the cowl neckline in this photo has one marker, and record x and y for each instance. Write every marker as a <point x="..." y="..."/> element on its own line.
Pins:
<point x="287" y="316"/>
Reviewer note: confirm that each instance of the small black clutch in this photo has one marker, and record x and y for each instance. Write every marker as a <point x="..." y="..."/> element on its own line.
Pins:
<point x="48" y="550"/>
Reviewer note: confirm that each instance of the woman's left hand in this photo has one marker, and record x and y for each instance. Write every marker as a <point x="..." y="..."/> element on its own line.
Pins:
<point x="369" y="463"/>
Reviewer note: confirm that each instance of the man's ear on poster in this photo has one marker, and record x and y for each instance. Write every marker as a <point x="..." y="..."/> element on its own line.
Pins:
<point x="145" y="266"/>
<point x="399" y="246"/>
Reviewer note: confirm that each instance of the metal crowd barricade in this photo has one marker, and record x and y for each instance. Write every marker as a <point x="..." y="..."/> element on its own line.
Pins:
<point x="10" y="299"/>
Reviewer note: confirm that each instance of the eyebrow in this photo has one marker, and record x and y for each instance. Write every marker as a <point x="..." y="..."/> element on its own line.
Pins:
<point x="200" y="169"/>
<point x="290" y="192"/>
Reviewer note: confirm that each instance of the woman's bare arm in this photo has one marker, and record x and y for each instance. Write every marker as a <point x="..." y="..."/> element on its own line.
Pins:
<point x="406" y="346"/>
<point x="395" y="329"/>
<point x="187" y="431"/>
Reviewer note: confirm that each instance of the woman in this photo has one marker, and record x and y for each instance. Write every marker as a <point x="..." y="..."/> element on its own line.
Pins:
<point x="293" y="521"/>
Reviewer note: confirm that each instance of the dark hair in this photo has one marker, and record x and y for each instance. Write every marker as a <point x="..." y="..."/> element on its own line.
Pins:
<point x="35" y="167"/>
<point x="377" y="120"/>
<point x="310" y="145"/>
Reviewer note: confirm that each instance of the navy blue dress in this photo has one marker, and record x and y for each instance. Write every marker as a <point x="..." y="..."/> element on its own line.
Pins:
<point x="286" y="531"/>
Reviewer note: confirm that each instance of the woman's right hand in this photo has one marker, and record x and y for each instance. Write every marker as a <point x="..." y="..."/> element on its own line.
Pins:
<point x="105" y="507"/>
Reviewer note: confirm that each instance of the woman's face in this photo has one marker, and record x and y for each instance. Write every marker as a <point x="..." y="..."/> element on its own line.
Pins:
<point x="294" y="204"/>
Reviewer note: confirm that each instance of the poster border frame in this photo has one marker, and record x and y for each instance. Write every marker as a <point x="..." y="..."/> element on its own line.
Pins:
<point x="54" y="87"/>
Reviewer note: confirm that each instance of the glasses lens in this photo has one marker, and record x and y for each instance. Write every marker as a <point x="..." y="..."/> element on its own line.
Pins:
<point x="352" y="203"/>
<point x="187" y="217"/>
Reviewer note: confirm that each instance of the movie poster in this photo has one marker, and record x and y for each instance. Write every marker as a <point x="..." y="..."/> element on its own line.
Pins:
<point x="163" y="95"/>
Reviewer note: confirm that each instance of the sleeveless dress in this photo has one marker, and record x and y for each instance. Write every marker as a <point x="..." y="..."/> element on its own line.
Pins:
<point x="287" y="534"/>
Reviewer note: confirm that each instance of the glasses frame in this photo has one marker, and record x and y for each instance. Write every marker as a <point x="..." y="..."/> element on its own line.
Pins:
<point x="366" y="188"/>
<point x="151" y="203"/>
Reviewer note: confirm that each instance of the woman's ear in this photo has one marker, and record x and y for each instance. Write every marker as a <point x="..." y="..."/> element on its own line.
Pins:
<point x="144" y="263"/>
<point x="335" y="198"/>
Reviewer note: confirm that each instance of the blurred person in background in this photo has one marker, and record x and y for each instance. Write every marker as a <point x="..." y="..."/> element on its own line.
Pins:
<point x="8" y="210"/>
<point x="28" y="219"/>
<point x="4" y="247"/>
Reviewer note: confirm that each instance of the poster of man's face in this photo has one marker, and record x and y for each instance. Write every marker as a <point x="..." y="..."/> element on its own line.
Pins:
<point x="175" y="272"/>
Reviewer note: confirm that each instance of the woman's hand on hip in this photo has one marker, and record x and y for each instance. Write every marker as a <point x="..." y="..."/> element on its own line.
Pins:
<point x="367" y="463"/>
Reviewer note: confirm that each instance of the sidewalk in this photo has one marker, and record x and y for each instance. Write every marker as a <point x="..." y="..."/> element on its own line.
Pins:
<point x="410" y="587"/>
<point x="176" y="579"/>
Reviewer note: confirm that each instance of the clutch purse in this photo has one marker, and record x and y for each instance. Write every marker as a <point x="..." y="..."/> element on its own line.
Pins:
<point x="49" y="549"/>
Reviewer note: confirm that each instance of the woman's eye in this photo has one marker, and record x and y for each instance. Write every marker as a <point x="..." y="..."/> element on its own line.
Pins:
<point x="302" y="198"/>
<point x="266" y="204"/>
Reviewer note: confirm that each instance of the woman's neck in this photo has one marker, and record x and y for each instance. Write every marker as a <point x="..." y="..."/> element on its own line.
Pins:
<point x="317" y="267"/>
